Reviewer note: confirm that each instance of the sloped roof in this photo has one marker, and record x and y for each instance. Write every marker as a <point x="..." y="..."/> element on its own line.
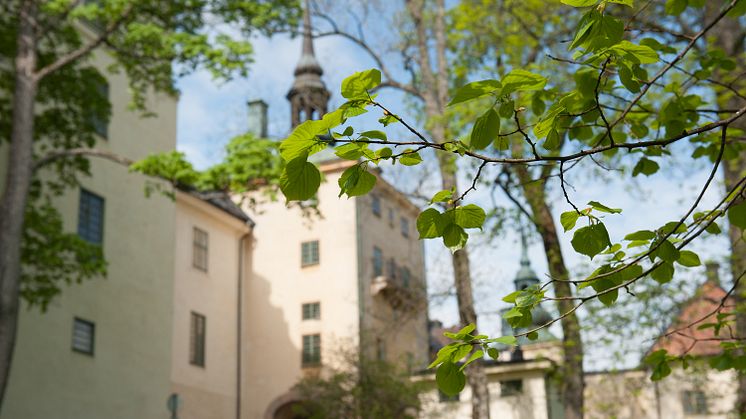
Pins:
<point x="700" y="309"/>
<point x="222" y="201"/>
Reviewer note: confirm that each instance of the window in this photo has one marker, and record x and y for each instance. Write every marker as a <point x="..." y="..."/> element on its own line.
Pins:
<point x="199" y="249"/>
<point x="98" y="118"/>
<point x="511" y="388"/>
<point x="84" y="333"/>
<point x="405" y="277"/>
<point x="391" y="268"/>
<point x="391" y="217"/>
<point x="311" y="311"/>
<point x="377" y="262"/>
<point x="91" y="217"/>
<point x="309" y="253"/>
<point x="197" y="340"/>
<point x="311" y="350"/>
<point x="404" y="223"/>
<point x="380" y="349"/>
<point x="695" y="402"/>
<point x="376" y="205"/>
<point x="444" y="398"/>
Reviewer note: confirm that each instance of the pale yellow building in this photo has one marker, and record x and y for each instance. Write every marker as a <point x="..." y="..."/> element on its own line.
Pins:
<point x="103" y="348"/>
<point x="211" y="253"/>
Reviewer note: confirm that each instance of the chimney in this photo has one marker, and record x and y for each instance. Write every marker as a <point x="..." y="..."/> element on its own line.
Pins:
<point x="258" y="118"/>
<point x="712" y="269"/>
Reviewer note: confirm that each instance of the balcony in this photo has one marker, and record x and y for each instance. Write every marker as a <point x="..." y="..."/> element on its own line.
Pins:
<point x="396" y="294"/>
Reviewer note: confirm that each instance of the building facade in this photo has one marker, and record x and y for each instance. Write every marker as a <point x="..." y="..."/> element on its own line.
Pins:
<point x="103" y="348"/>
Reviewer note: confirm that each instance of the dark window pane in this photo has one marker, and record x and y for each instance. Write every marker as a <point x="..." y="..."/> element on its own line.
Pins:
<point x="376" y="205"/>
<point x="311" y="311"/>
<point x="91" y="217"/>
<point x="311" y="350"/>
<point x="309" y="253"/>
<point x="83" y="336"/>
<point x="511" y="387"/>
<point x="377" y="262"/>
<point x="200" y="249"/>
<point x="197" y="340"/>
<point x="405" y="227"/>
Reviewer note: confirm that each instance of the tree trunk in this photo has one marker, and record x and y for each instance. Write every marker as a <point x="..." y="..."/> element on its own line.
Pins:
<point x="571" y="371"/>
<point x="728" y="35"/>
<point x="17" y="185"/>
<point x="434" y="92"/>
<point x="476" y="376"/>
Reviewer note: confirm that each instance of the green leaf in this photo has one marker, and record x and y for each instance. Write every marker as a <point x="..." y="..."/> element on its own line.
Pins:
<point x="518" y="80"/>
<point x="474" y="90"/>
<point x="450" y="379"/>
<point x="629" y="3"/>
<point x="737" y="215"/>
<point x="375" y="134"/>
<point x="476" y="355"/>
<point x="410" y="158"/>
<point x="675" y="7"/>
<point x="636" y="54"/>
<point x="667" y="251"/>
<point x="645" y="166"/>
<point x="658" y="361"/>
<point x="356" y="181"/>
<point x="552" y="141"/>
<point x="580" y="3"/>
<point x="569" y="219"/>
<point x="300" y="180"/>
<point x="493" y="353"/>
<point x="454" y="237"/>
<point x="591" y="240"/>
<point x="444" y="354"/>
<point x="486" y="128"/>
<point x="609" y="297"/>
<point x="603" y="208"/>
<point x="350" y="151"/>
<point x="505" y="340"/>
<point x="689" y="259"/>
<point x="532" y="335"/>
<point x="465" y="331"/>
<point x="640" y="235"/>
<point x="469" y="216"/>
<point x="442" y="196"/>
<point x="357" y="85"/>
<point x="430" y="224"/>
<point x="663" y="273"/>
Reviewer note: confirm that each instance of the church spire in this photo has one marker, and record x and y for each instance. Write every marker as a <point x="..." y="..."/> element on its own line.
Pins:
<point x="526" y="275"/>
<point x="308" y="97"/>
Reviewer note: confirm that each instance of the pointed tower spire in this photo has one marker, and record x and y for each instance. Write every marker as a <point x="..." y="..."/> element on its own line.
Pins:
<point x="308" y="97"/>
<point x="526" y="275"/>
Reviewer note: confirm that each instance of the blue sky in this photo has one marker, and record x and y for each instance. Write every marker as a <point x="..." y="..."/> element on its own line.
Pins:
<point x="210" y="113"/>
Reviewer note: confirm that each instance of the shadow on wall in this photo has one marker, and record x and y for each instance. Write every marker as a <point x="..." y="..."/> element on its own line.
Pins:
<point x="270" y="359"/>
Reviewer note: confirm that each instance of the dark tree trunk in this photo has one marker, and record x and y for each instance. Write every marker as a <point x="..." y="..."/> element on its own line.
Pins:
<point x="572" y="383"/>
<point x="18" y="181"/>
<point x="728" y="35"/>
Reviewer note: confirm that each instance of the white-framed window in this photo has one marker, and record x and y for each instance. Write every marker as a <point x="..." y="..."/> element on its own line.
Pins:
<point x="311" y="311"/>
<point x="375" y="205"/>
<point x="404" y="224"/>
<point x="311" y="350"/>
<point x="91" y="217"/>
<point x="309" y="253"/>
<point x="694" y="402"/>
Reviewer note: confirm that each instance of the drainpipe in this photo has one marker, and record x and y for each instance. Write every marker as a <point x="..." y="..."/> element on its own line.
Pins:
<point x="239" y="315"/>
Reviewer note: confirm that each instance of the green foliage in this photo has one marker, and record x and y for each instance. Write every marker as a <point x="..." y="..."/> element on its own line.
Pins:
<point x="359" y="388"/>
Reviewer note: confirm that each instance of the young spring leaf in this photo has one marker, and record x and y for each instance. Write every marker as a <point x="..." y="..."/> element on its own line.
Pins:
<point x="737" y="215"/>
<point x="356" y="181"/>
<point x="410" y="158"/>
<point x="474" y="90"/>
<point x="569" y="219"/>
<point x="486" y="128"/>
<point x="591" y="240"/>
<point x="357" y="85"/>
<point x="300" y="180"/>
<point x="450" y="379"/>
